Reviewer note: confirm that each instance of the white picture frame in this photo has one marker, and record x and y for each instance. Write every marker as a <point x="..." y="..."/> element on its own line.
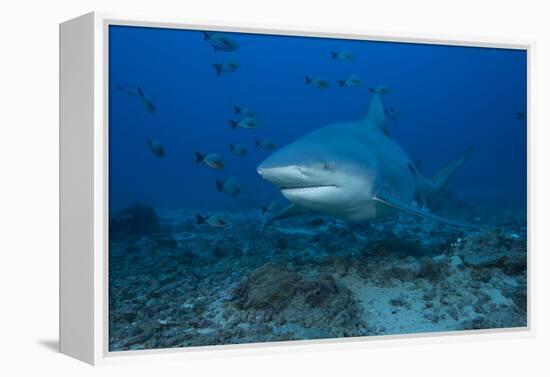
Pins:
<point x="84" y="189"/>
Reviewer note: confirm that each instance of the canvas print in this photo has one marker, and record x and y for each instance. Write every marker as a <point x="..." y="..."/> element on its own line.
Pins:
<point x="267" y="188"/>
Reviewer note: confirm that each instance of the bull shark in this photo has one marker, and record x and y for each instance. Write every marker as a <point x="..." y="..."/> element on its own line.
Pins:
<point x="355" y="171"/>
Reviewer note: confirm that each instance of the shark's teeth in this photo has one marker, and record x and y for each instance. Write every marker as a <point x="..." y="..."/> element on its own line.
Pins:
<point x="309" y="189"/>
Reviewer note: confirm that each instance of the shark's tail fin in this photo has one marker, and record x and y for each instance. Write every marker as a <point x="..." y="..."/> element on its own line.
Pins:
<point x="341" y="82"/>
<point x="443" y="176"/>
<point x="308" y="79"/>
<point x="428" y="189"/>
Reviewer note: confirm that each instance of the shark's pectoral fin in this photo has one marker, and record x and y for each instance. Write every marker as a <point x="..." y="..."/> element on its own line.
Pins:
<point x="395" y="203"/>
<point x="291" y="210"/>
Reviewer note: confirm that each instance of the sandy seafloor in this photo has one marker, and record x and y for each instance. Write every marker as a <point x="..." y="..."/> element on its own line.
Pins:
<point x="313" y="277"/>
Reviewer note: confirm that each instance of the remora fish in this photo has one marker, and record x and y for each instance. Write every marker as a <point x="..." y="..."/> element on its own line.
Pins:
<point x="354" y="171"/>
<point x="220" y="42"/>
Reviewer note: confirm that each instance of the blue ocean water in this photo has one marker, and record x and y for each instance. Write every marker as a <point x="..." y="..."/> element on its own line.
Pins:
<point x="177" y="279"/>
<point x="450" y="98"/>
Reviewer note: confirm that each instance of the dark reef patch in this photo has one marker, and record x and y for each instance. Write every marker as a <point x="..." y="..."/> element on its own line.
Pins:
<point x="270" y="287"/>
<point x="137" y="220"/>
<point x="303" y="300"/>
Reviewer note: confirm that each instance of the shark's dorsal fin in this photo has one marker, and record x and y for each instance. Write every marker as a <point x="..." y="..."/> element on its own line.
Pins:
<point x="375" y="114"/>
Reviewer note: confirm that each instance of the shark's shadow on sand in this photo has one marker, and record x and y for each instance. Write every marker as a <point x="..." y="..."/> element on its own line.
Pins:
<point x="355" y="171"/>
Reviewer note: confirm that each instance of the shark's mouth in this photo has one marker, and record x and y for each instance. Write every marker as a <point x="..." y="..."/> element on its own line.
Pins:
<point x="306" y="189"/>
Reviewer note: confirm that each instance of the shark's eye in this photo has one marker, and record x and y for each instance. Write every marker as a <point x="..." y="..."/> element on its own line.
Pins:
<point x="325" y="165"/>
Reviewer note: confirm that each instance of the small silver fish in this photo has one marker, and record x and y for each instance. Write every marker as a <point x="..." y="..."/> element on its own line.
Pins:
<point x="213" y="160"/>
<point x="228" y="66"/>
<point x="352" y="80"/>
<point x="244" y="111"/>
<point x="219" y="220"/>
<point x="245" y="123"/>
<point x="317" y="82"/>
<point x="382" y="90"/>
<point x="156" y="148"/>
<point x="266" y="144"/>
<point x="272" y="207"/>
<point x="238" y="150"/>
<point x="147" y="103"/>
<point x="220" y="42"/>
<point x="342" y="55"/>
<point x="230" y="186"/>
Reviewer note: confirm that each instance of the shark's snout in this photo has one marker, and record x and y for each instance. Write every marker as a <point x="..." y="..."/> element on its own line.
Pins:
<point x="281" y="176"/>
